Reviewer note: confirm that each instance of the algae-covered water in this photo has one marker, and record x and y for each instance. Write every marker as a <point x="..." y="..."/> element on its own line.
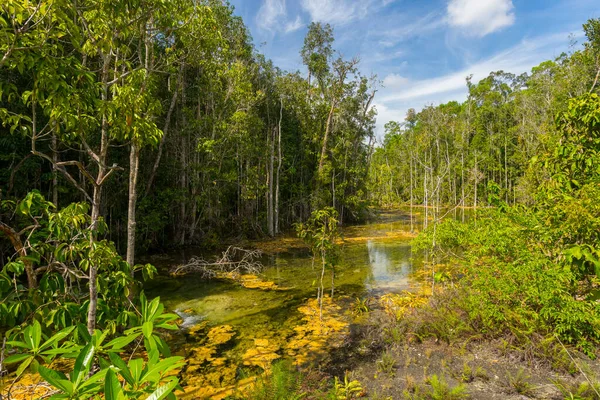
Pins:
<point x="375" y="259"/>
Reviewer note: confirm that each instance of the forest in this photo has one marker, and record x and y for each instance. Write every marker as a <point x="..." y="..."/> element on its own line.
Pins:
<point x="134" y="131"/>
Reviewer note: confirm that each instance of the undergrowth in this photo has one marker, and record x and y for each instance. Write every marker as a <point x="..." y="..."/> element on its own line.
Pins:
<point x="509" y="287"/>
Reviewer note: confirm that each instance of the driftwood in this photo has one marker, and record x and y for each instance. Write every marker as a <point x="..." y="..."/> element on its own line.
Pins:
<point x="233" y="260"/>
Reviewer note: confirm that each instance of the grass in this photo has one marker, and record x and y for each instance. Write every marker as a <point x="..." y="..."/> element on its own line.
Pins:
<point x="520" y="383"/>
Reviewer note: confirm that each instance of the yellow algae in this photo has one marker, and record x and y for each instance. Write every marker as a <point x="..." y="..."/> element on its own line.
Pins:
<point x="209" y="392"/>
<point x="197" y="331"/>
<point x="280" y="244"/>
<point x="396" y="304"/>
<point x="201" y="355"/>
<point x="220" y="334"/>
<point x="29" y="386"/>
<point x="389" y="235"/>
<point x="316" y="336"/>
<point x="249" y="281"/>
<point x="262" y="354"/>
<point x="254" y="282"/>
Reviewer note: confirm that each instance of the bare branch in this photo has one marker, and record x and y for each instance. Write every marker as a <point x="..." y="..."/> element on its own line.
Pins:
<point x="233" y="260"/>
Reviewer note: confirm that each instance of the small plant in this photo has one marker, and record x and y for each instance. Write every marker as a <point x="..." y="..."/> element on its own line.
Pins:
<point x="520" y="383"/>
<point x="428" y="353"/>
<point x="410" y="384"/>
<point x="393" y="334"/>
<point x="578" y="390"/>
<point x="441" y="390"/>
<point x="349" y="389"/>
<point x="361" y="306"/>
<point x="387" y="363"/>
<point x="467" y="374"/>
<point x="282" y="383"/>
<point x="481" y="373"/>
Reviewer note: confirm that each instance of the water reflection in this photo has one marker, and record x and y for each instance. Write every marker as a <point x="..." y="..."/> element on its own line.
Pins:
<point x="390" y="267"/>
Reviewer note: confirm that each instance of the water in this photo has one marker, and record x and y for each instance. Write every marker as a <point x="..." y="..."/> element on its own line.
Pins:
<point x="374" y="259"/>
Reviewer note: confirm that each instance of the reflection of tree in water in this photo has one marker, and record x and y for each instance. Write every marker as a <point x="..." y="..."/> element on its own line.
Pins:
<point x="390" y="266"/>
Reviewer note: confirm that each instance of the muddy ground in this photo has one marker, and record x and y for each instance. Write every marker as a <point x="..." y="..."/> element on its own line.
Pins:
<point x="389" y="367"/>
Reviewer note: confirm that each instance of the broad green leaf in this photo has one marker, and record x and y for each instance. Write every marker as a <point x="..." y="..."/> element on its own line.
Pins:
<point x="57" y="337"/>
<point x="56" y="379"/>
<point x="123" y="368"/>
<point x="16" y="358"/>
<point x="147" y="329"/>
<point x="120" y="342"/>
<point x="163" y="391"/>
<point x="24" y="365"/>
<point x="83" y="363"/>
<point x="112" y="388"/>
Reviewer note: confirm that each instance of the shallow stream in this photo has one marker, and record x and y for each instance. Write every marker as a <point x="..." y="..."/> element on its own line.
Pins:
<point x="374" y="259"/>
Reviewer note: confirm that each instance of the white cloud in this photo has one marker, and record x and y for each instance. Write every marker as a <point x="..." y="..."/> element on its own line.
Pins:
<point x="407" y="29"/>
<point x="400" y="93"/>
<point x="292" y="26"/>
<point x="270" y="14"/>
<point x="395" y="81"/>
<point x="480" y="17"/>
<point x="335" y="11"/>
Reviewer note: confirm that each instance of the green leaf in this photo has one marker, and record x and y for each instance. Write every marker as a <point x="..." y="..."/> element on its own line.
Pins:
<point x="57" y="337"/>
<point x="112" y="388"/>
<point x="123" y="369"/>
<point x="147" y="329"/>
<point x="120" y="342"/>
<point x="24" y="365"/>
<point x="16" y="358"/>
<point x="91" y="384"/>
<point x="135" y="367"/>
<point x="163" y="367"/>
<point x="163" y="391"/>
<point x="56" y="379"/>
<point x="35" y="335"/>
<point x="83" y="363"/>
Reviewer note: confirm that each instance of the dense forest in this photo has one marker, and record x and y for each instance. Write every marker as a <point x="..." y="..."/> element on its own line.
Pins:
<point x="114" y="106"/>
<point x="129" y="127"/>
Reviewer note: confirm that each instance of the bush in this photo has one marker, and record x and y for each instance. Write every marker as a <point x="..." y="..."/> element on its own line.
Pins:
<point x="512" y="284"/>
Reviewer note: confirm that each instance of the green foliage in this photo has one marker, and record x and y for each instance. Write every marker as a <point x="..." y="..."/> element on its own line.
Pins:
<point x="510" y="284"/>
<point x="520" y="383"/>
<point x="58" y="246"/>
<point x="441" y="390"/>
<point x="361" y="306"/>
<point x="320" y="233"/>
<point x="151" y="377"/>
<point x="346" y="390"/>
<point x="387" y="363"/>
<point x="283" y="383"/>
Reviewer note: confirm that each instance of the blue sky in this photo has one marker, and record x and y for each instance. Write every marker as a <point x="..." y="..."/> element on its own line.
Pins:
<point x="422" y="50"/>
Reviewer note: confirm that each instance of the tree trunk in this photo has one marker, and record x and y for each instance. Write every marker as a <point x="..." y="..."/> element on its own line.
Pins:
<point x="271" y="164"/>
<point x="15" y="240"/>
<point x="162" y="143"/>
<point x="411" y="195"/>
<point x="325" y="139"/>
<point x="96" y="198"/>
<point x="134" y="161"/>
<point x="278" y="172"/>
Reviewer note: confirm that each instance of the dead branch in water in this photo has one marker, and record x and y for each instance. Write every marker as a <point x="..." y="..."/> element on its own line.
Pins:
<point x="233" y="260"/>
